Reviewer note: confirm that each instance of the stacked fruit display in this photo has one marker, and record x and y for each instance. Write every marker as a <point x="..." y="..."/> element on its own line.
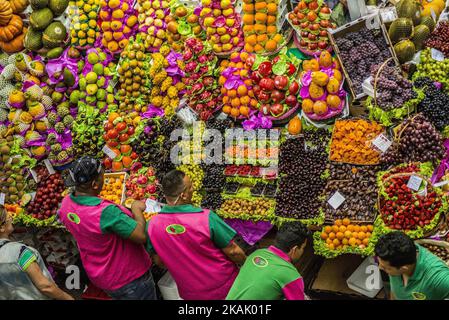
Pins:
<point x="275" y="86"/>
<point x="321" y="91"/>
<point x="222" y="25"/>
<point x="202" y="89"/>
<point x="48" y="197"/>
<point x="12" y="28"/>
<point x="142" y="184"/>
<point x="154" y="15"/>
<point x="118" y="22"/>
<point x="434" y="69"/>
<point x="184" y="22"/>
<point x="45" y="32"/>
<point x="237" y="95"/>
<point x="311" y="20"/>
<point x="344" y="234"/>
<point x="259" y="26"/>
<point x="84" y="29"/>
<point x="117" y="137"/>
<point x="196" y="175"/>
<point x="133" y="94"/>
<point x="439" y="39"/>
<point x="113" y="188"/>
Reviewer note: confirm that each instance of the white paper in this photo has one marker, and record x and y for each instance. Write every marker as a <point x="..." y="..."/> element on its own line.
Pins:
<point x="414" y="183"/>
<point x="34" y="174"/>
<point x="382" y="142"/>
<point x="2" y="199"/>
<point x="111" y="154"/>
<point x="441" y="183"/>
<point x="33" y="195"/>
<point x="434" y="16"/>
<point x="389" y="14"/>
<point x="49" y="167"/>
<point x="222" y="116"/>
<point x="152" y="206"/>
<point x="336" y="200"/>
<point x="437" y="54"/>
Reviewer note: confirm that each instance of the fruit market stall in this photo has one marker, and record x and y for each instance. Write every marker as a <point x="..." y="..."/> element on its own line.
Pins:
<point x="254" y="100"/>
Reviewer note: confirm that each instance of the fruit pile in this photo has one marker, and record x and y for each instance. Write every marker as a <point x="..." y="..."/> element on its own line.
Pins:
<point x="184" y="22"/>
<point x="247" y="208"/>
<point x="113" y="187"/>
<point x="212" y="201"/>
<point x="118" y="22"/>
<point x="439" y="39"/>
<point x="45" y="32"/>
<point x="222" y="25"/>
<point x="245" y="170"/>
<point x="435" y="70"/>
<point x="418" y="141"/>
<point x="440" y="251"/>
<point x="153" y="18"/>
<point x="213" y="176"/>
<point x="435" y="105"/>
<point x="237" y="94"/>
<point x="142" y="184"/>
<point x="321" y="91"/>
<point x="359" y="51"/>
<point x="202" y="89"/>
<point x="351" y="141"/>
<point x="275" y="86"/>
<point x="12" y="27"/>
<point x="133" y="94"/>
<point x="343" y="234"/>
<point x="117" y="137"/>
<point x="48" y="197"/>
<point x="402" y="208"/>
<point x="259" y="26"/>
<point x="196" y="175"/>
<point x="84" y="29"/>
<point x="311" y="19"/>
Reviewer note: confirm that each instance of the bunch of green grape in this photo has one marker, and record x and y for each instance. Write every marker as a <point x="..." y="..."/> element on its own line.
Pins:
<point x="196" y="175"/>
<point x="434" y="69"/>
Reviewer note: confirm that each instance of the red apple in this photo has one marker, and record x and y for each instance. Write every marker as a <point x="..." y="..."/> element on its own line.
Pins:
<point x="311" y="37"/>
<point x="313" y="5"/>
<point x="322" y="45"/>
<point x="291" y="101"/>
<point x="256" y="89"/>
<point x="295" y="21"/>
<point x="301" y="16"/>
<point x="305" y="25"/>
<point x="276" y="109"/>
<point x="277" y="96"/>
<point x="323" y="33"/>
<point x="315" y="27"/>
<point x="263" y="96"/>
<point x="303" y="43"/>
<point x="267" y="84"/>
<point x="255" y="77"/>
<point x="325" y="10"/>
<point x="281" y="82"/>
<point x="304" y="34"/>
<point x="293" y="88"/>
<point x="313" y="46"/>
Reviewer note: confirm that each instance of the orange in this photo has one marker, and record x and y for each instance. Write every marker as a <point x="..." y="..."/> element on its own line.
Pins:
<point x="352" y="241"/>
<point x="361" y="235"/>
<point x="223" y="90"/>
<point x="336" y="242"/>
<point x="272" y="8"/>
<point x="260" y="17"/>
<point x="235" y="112"/>
<point x="239" y="65"/>
<point x="342" y="228"/>
<point x="340" y="235"/>
<point x="221" y="80"/>
<point x="332" y="236"/>
<point x="232" y="64"/>
<point x="359" y="242"/>
<point x="345" y="241"/>
<point x="249" y="48"/>
<point x="271" y="45"/>
<point x="278" y="38"/>
<point x="338" y="222"/>
<point x="235" y="102"/>
<point x="356" y="228"/>
<point x="248" y="29"/>
<point x="324" y="236"/>
<point x="261" y="6"/>
<point x="253" y="103"/>
<point x="350" y="227"/>
<point x="232" y="93"/>
<point x="244" y="111"/>
<point x="368" y="234"/>
<point x="271" y="20"/>
<point x="244" y="74"/>
<point x="248" y="7"/>
<point x="224" y="63"/>
<point x="328" y="229"/>
<point x="363" y="228"/>
<point x="260" y="28"/>
<point x="346" y="221"/>
<point x="227" y="109"/>
<point x="258" y="48"/>
<point x="348" y="234"/>
<point x="225" y="99"/>
<point x="244" y="100"/>
<point x="271" y="30"/>
<point x="365" y="241"/>
<point x="262" y="38"/>
<point x="335" y="229"/>
<point x="331" y="246"/>
<point x="112" y="116"/>
<point x="248" y="19"/>
<point x="328" y="241"/>
<point x="370" y="228"/>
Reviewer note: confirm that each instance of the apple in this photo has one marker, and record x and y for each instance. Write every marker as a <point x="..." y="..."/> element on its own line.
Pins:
<point x="277" y="109"/>
<point x="325" y="10"/>
<point x="304" y="34"/>
<point x="305" y="25"/>
<point x="281" y="82"/>
<point x="293" y="88"/>
<point x="265" y="68"/>
<point x="295" y="21"/>
<point x="322" y="45"/>
<point x="313" y="46"/>
<point x="313" y="5"/>
<point x="265" y="109"/>
<point x="277" y="96"/>
<point x="303" y="43"/>
<point x="323" y="33"/>
<point x="263" y="96"/>
<point x="311" y="37"/>
<point x="315" y="27"/>
<point x="292" y="16"/>
<point x="324" y="23"/>
<point x="256" y="89"/>
<point x="301" y="16"/>
<point x="267" y="84"/>
<point x="296" y="10"/>
<point x="255" y="77"/>
<point x="291" y="101"/>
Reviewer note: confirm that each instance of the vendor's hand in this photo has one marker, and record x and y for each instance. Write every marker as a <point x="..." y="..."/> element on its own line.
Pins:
<point x="138" y="206"/>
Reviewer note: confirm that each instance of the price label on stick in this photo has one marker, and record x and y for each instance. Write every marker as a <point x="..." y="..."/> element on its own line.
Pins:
<point x="382" y="143"/>
<point x="336" y="200"/>
<point x="33" y="195"/>
<point x="49" y="167"/>
<point x="389" y="14"/>
<point x="108" y="151"/>
<point x="34" y="174"/>
<point x="437" y="54"/>
<point x="2" y="199"/>
<point x="441" y="183"/>
<point x="414" y="183"/>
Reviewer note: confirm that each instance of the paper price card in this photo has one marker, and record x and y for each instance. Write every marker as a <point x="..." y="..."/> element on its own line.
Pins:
<point x="49" y="167"/>
<point x="388" y="14"/>
<point x="108" y="151"/>
<point x="336" y="200"/>
<point x="414" y="183"/>
<point x="382" y="143"/>
<point x="436" y="54"/>
<point x="34" y="174"/>
<point x="2" y="199"/>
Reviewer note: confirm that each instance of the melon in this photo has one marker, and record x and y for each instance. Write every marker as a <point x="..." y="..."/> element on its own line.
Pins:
<point x="54" y="35"/>
<point x="40" y="19"/>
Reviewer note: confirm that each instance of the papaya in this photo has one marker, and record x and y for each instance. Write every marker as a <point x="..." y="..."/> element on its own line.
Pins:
<point x="333" y="85"/>
<point x="320" y="78"/>
<point x="337" y="75"/>
<point x="315" y="91"/>
<point x="307" y="105"/>
<point x="325" y="59"/>
<point x="319" y="107"/>
<point x="310" y="65"/>
<point x="333" y="101"/>
<point x="294" y="126"/>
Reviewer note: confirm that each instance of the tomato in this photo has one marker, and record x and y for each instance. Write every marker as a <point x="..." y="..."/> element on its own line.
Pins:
<point x="125" y="149"/>
<point x="112" y="143"/>
<point x="134" y="156"/>
<point x="121" y="126"/>
<point x="107" y="162"/>
<point x="112" y="134"/>
<point x="124" y="137"/>
<point x="131" y="130"/>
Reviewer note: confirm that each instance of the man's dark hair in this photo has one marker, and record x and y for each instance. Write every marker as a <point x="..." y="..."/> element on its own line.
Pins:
<point x="291" y="234"/>
<point x="173" y="183"/>
<point x="396" y="248"/>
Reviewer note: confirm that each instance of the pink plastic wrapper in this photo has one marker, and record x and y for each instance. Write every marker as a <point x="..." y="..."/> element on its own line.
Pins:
<point x="153" y="112"/>
<point x="257" y="121"/>
<point x="444" y="165"/>
<point x="57" y="66"/>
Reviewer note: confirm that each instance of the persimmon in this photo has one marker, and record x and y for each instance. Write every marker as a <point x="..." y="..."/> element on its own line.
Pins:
<point x="235" y="112"/>
<point x="244" y="111"/>
<point x="271" y="45"/>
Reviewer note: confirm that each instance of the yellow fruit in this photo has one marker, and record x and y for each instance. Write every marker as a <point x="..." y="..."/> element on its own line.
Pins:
<point x="113" y="4"/>
<point x="118" y="14"/>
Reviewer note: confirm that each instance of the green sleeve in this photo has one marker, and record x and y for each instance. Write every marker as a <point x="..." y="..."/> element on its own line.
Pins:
<point x="440" y="286"/>
<point x="26" y="258"/>
<point x="148" y="244"/>
<point x="220" y="233"/>
<point x="114" y="220"/>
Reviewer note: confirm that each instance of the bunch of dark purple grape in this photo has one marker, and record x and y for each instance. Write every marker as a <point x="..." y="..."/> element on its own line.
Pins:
<point x="392" y="89"/>
<point x="419" y="142"/>
<point x="359" y="51"/>
<point x="214" y="177"/>
<point x="219" y="124"/>
<point x="212" y="200"/>
<point x="435" y="105"/>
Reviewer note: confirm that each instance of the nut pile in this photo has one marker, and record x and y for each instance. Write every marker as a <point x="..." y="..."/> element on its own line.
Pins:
<point x="439" y="251"/>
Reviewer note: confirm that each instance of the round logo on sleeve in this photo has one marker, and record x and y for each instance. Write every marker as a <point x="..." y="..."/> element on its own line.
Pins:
<point x="73" y="217"/>
<point x="419" y="296"/>
<point x="175" y="229"/>
<point x="260" y="262"/>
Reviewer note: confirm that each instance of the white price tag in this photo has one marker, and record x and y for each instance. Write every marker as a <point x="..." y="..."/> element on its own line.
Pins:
<point x="414" y="183"/>
<point x="33" y="195"/>
<point x="2" y="199"/>
<point x="222" y="116"/>
<point x="34" y="174"/>
<point x="437" y="54"/>
<point x="441" y="183"/>
<point x="382" y="143"/>
<point x="49" y="167"/>
<point x="389" y="14"/>
<point x="152" y="206"/>
<point x="108" y="151"/>
<point x="433" y="14"/>
<point x="336" y="200"/>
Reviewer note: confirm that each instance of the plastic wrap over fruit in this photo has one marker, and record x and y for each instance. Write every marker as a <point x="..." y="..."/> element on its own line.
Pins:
<point x="444" y="165"/>
<point x="57" y="66"/>
<point x="173" y="69"/>
<point x="257" y="121"/>
<point x="153" y="112"/>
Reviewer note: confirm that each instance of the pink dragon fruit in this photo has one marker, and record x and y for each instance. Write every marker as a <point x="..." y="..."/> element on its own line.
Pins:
<point x="142" y="180"/>
<point x="195" y="76"/>
<point x="187" y="55"/>
<point x="206" y="114"/>
<point x="191" y="66"/>
<point x="197" y="87"/>
<point x="205" y="95"/>
<point x="203" y="59"/>
<point x="150" y="189"/>
<point x="199" y="107"/>
<point x="204" y="69"/>
<point x="210" y="104"/>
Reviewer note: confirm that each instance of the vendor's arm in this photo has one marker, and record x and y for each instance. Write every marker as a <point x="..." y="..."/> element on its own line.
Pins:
<point x="114" y="220"/>
<point x="294" y="290"/>
<point x="27" y="263"/>
<point x="150" y="249"/>
<point x="222" y="235"/>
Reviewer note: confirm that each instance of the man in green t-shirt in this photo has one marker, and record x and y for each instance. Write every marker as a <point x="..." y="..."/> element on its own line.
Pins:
<point x="269" y="274"/>
<point x="415" y="273"/>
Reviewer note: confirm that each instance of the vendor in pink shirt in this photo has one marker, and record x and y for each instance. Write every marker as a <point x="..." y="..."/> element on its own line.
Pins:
<point x="194" y="244"/>
<point x="110" y="238"/>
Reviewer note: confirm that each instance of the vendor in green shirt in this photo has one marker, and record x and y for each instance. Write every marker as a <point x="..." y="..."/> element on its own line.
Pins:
<point x="415" y="273"/>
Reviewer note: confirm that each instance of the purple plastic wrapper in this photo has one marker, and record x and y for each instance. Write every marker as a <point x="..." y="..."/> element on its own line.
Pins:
<point x="438" y="85"/>
<point x="444" y="165"/>
<point x="250" y="231"/>
<point x="17" y="105"/>
<point x="57" y="65"/>
<point x="257" y="121"/>
<point x="27" y="84"/>
<point x="153" y="112"/>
